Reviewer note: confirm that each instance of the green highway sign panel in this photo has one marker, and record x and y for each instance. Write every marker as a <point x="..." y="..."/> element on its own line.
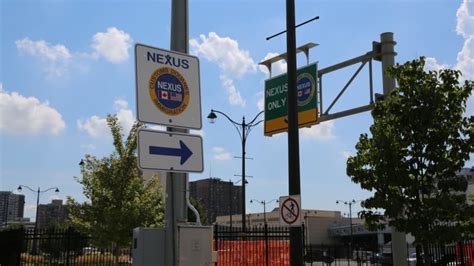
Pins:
<point x="276" y="95"/>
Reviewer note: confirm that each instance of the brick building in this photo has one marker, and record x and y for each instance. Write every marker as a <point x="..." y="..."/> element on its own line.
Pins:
<point x="218" y="197"/>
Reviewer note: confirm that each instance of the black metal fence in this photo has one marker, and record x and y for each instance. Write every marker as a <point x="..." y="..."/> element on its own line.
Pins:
<point x="270" y="246"/>
<point x="257" y="246"/>
<point x="56" y="247"/>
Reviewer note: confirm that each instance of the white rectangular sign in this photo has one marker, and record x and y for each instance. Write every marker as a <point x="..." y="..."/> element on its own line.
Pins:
<point x="290" y="210"/>
<point x="169" y="151"/>
<point x="168" y="87"/>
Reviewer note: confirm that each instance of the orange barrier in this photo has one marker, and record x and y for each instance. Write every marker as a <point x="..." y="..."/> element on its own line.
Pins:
<point x="467" y="251"/>
<point x="252" y="252"/>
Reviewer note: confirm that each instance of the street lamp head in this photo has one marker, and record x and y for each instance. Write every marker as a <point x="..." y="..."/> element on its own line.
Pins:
<point x="19" y="188"/>
<point x="57" y="190"/>
<point x="337" y="202"/>
<point x="212" y="117"/>
<point x="251" y="201"/>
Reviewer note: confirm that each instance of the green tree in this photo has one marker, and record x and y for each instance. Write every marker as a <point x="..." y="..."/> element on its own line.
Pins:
<point x="118" y="198"/>
<point x="419" y="140"/>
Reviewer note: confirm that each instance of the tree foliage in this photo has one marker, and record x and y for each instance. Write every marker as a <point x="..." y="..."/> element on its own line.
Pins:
<point x="419" y="140"/>
<point x="118" y="198"/>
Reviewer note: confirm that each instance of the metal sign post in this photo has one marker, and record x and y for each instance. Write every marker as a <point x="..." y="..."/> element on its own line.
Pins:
<point x="296" y="241"/>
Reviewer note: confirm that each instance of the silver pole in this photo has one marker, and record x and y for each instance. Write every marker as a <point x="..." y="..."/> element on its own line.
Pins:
<point x="176" y="183"/>
<point x="387" y="47"/>
<point x="388" y="60"/>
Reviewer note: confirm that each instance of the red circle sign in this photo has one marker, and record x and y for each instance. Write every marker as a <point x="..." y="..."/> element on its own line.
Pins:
<point x="290" y="211"/>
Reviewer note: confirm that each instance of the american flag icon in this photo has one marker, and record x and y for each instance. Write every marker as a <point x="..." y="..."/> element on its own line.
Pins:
<point x="176" y="97"/>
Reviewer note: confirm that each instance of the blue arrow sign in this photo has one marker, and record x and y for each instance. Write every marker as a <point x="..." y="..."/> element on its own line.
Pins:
<point x="184" y="152"/>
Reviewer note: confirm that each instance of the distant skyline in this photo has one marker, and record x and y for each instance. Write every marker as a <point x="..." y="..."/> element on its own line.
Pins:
<point x="65" y="65"/>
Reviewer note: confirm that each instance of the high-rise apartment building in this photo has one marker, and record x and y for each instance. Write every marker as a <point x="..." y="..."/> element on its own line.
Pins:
<point x="12" y="206"/>
<point x="218" y="197"/>
<point x="53" y="212"/>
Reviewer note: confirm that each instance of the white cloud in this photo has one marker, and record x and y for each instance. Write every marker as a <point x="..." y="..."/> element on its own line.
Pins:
<point x="120" y="103"/>
<point x="124" y="114"/>
<point x="277" y="67"/>
<point x="261" y="101"/>
<point x="465" y="19"/>
<point x="96" y="126"/>
<point x="233" y="94"/>
<point x="465" y="57"/>
<point x="56" y="57"/>
<point x="322" y="131"/>
<point x="346" y="154"/>
<point x="465" y="28"/>
<point x="225" y="52"/>
<point x="113" y="45"/>
<point x="432" y="64"/>
<point x="220" y="154"/>
<point x="43" y="49"/>
<point x="232" y="61"/>
<point x="27" y="115"/>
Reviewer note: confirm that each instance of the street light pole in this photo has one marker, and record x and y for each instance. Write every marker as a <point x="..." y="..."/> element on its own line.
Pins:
<point x="20" y="187"/>
<point x="349" y="203"/>
<point x="231" y="196"/>
<point x="245" y="130"/>
<point x="264" y="203"/>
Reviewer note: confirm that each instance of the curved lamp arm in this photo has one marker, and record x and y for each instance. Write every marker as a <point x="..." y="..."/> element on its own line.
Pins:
<point x="253" y="120"/>
<point x="222" y="113"/>
<point x="21" y="186"/>
<point x="38" y="191"/>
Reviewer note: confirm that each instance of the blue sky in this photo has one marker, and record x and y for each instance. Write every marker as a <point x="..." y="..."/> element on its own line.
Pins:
<point x="66" y="64"/>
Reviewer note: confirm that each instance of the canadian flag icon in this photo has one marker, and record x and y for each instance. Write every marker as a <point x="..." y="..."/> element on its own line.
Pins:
<point x="164" y="95"/>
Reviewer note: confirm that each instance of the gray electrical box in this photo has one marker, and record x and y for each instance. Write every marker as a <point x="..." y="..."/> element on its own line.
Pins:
<point x="148" y="246"/>
<point x="195" y="245"/>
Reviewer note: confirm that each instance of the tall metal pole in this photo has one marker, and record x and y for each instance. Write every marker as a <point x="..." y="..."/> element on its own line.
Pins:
<point x="264" y="212"/>
<point x="243" y="173"/>
<point x="387" y="48"/>
<point x="35" y="242"/>
<point x="296" y="243"/>
<point x="230" y="202"/>
<point x="176" y="207"/>
<point x="350" y="221"/>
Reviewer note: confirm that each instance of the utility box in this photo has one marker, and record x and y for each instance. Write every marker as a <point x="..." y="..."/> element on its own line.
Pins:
<point x="195" y="245"/>
<point x="148" y="246"/>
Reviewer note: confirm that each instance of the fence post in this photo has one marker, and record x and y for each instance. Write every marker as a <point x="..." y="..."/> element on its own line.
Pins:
<point x="215" y="243"/>
<point x="266" y="243"/>
<point x="68" y="235"/>
<point x="461" y="253"/>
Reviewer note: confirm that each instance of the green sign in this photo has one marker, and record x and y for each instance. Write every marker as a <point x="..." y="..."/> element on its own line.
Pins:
<point x="276" y="95"/>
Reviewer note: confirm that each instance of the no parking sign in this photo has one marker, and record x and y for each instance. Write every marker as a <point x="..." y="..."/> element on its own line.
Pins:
<point x="290" y="210"/>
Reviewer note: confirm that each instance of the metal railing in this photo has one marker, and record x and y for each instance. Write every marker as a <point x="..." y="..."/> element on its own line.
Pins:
<point x="58" y="247"/>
